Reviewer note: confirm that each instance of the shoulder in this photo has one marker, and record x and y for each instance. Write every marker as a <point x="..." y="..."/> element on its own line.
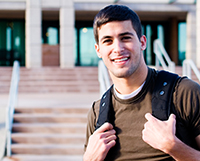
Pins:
<point x="92" y="116"/>
<point x="186" y="98"/>
<point x="91" y="123"/>
<point x="187" y="86"/>
<point x="94" y="112"/>
<point x="187" y="104"/>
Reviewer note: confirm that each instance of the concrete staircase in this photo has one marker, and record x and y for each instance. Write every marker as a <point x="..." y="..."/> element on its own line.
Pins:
<point x="52" y="79"/>
<point x="50" y="117"/>
<point x="49" y="134"/>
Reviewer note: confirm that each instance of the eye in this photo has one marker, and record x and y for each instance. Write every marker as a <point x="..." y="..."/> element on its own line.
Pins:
<point x="125" y="38"/>
<point x="107" y="41"/>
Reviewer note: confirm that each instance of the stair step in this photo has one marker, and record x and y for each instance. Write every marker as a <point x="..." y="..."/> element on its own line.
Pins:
<point x="45" y="89"/>
<point x="50" y="118"/>
<point x="48" y="149"/>
<point x="47" y="157"/>
<point x="58" y="77"/>
<point x="53" y="79"/>
<point x="65" y="82"/>
<point x="41" y="138"/>
<point x="49" y="128"/>
<point x="57" y="110"/>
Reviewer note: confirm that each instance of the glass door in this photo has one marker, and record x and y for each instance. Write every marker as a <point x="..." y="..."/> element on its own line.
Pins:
<point x="12" y="42"/>
<point x="85" y="51"/>
<point x="153" y="31"/>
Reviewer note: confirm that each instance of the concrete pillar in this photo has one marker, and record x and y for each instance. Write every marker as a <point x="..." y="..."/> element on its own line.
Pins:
<point x="198" y="33"/>
<point x="66" y="34"/>
<point x="33" y="33"/>
<point x="191" y="36"/>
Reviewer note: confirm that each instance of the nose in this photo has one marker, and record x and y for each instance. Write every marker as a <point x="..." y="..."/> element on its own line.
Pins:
<point x="118" y="46"/>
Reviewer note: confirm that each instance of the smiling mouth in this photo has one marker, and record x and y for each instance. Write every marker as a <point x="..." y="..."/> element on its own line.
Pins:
<point x="120" y="60"/>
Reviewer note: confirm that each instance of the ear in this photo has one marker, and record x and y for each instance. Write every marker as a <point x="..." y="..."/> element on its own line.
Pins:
<point x="143" y="41"/>
<point x="97" y="50"/>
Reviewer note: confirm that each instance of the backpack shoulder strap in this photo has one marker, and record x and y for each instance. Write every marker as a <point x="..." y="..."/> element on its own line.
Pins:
<point x="163" y="93"/>
<point x="161" y="99"/>
<point x="106" y="112"/>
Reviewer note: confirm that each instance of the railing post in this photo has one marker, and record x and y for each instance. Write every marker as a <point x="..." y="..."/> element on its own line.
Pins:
<point x="188" y="70"/>
<point x="172" y="66"/>
<point x="184" y="69"/>
<point x="187" y="66"/>
<point x="160" y="52"/>
<point x="11" y="104"/>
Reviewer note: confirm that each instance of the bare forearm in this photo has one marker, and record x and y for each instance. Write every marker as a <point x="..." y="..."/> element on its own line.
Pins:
<point x="182" y="152"/>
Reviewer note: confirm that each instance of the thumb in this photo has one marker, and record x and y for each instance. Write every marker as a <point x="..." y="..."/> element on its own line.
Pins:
<point x="172" y="122"/>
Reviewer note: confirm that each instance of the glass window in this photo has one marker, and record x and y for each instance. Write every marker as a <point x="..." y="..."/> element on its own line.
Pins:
<point x="88" y="56"/>
<point x="160" y="33"/>
<point x="149" y="47"/>
<point x="52" y="36"/>
<point x="75" y="46"/>
<point x="12" y="42"/>
<point x="50" y="32"/>
<point x="181" y="42"/>
<point x="8" y="38"/>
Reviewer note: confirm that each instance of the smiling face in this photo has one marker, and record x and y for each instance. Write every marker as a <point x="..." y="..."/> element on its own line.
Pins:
<point x="120" y="48"/>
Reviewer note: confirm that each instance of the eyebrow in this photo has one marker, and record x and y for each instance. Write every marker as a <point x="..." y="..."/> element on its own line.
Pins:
<point x="126" y="33"/>
<point x="105" y="37"/>
<point x="122" y="34"/>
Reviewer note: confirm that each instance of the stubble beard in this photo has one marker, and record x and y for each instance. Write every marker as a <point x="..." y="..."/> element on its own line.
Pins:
<point x="126" y="73"/>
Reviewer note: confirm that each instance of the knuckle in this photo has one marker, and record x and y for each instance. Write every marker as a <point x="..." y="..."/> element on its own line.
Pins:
<point x="104" y="148"/>
<point x="99" y="136"/>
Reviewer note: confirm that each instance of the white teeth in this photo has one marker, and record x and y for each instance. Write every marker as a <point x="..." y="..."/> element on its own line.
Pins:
<point x="122" y="59"/>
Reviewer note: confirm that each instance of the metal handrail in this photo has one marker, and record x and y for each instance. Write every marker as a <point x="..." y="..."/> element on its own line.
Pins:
<point x="162" y="57"/>
<point x="11" y="104"/>
<point x="103" y="77"/>
<point x="188" y="64"/>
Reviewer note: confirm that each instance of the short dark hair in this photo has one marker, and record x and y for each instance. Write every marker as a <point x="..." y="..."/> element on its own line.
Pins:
<point x="116" y="13"/>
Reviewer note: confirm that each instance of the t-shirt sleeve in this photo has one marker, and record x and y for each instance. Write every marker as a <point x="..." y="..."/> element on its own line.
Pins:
<point x="187" y="99"/>
<point x="91" y="121"/>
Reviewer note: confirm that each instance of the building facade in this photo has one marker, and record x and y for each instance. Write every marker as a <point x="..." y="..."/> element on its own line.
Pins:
<point x="59" y="33"/>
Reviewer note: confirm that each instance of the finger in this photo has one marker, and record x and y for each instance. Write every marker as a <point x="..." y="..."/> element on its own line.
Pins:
<point x="110" y="138"/>
<point x="111" y="144"/>
<point x="149" y="116"/>
<point x="172" y="121"/>
<point x="109" y="133"/>
<point x="172" y="117"/>
<point x="105" y="127"/>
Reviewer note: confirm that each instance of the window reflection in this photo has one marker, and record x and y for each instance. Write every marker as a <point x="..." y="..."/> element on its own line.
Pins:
<point x="181" y="41"/>
<point x="52" y="36"/>
<point x="88" y="56"/>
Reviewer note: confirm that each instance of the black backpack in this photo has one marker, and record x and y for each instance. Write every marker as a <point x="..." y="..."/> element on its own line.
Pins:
<point x="161" y="99"/>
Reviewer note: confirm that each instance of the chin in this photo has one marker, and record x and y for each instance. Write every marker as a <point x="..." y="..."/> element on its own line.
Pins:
<point x="123" y="74"/>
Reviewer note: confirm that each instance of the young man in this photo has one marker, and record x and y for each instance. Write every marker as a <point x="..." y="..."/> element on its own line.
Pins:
<point x="136" y="134"/>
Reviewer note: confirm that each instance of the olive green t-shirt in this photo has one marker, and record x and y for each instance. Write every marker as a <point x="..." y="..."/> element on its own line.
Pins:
<point x="129" y="120"/>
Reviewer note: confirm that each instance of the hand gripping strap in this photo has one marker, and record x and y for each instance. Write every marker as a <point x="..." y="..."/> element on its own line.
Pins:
<point x="163" y="94"/>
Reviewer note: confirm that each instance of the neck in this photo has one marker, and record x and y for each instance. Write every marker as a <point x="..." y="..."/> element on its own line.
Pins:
<point x="132" y="83"/>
